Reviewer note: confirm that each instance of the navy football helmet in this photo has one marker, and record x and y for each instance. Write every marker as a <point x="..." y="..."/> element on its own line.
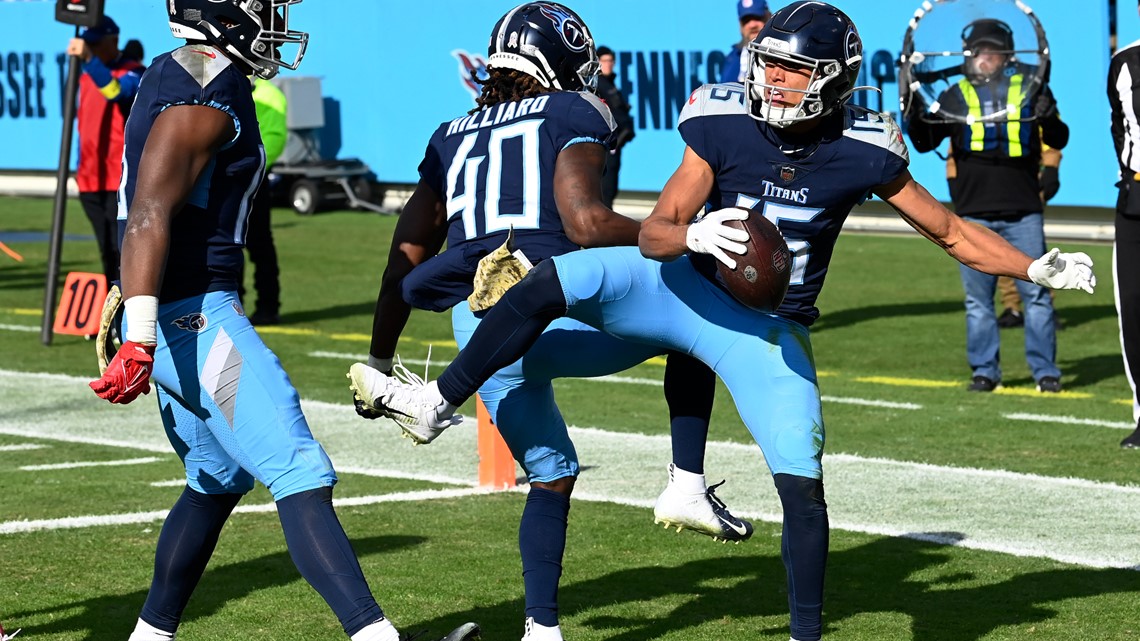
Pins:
<point x="251" y="30"/>
<point x="996" y="37"/>
<point x="547" y="41"/>
<point x="808" y="35"/>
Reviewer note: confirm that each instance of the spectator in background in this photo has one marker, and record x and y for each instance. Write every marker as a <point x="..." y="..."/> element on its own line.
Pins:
<point x="998" y="187"/>
<point x="1012" y="315"/>
<point x="133" y="50"/>
<point x="271" y="108"/>
<point x="1125" y="101"/>
<point x="753" y="15"/>
<point x="107" y="88"/>
<point x="620" y="108"/>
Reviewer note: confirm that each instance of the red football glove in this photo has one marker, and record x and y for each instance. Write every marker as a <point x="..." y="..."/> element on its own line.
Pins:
<point x="128" y="374"/>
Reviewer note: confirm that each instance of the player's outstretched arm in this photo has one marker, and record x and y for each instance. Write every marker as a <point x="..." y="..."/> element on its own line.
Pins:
<point x="419" y="235"/>
<point x="178" y="147"/>
<point x="578" y="194"/>
<point x="664" y="234"/>
<point x="978" y="247"/>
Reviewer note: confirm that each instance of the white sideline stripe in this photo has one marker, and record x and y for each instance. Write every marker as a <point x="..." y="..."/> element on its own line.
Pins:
<point x="173" y="483"/>
<point x="1079" y="521"/>
<point x="631" y="380"/>
<point x="18" y="328"/>
<point x="21" y="447"/>
<point x="1068" y="420"/>
<point x="74" y="522"/>
<point x="79" y="464"/>
<point x="870" y="402"/>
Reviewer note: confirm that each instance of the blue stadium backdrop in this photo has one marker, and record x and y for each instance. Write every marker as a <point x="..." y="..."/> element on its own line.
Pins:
<point x="390" y="74"/>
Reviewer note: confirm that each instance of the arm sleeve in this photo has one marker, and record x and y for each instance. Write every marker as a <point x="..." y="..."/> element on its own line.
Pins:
<point x="1054" y="132"/>
<point x="271" y="109"/>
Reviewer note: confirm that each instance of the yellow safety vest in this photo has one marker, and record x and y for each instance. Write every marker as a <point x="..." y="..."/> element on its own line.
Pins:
<point x="1014" y="97"/>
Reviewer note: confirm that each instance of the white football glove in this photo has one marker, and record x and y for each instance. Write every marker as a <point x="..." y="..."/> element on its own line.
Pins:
<point x="1063" y="271"/>
<point x="710" y="235"/>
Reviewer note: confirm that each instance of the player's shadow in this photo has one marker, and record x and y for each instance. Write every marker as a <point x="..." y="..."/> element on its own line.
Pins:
<point x="1076" y="316"/>
<point x="31" y="276"/>
<point x="112" y="616"/>
<point x="919" y="581"/>
<point x="1090" y="370"/>
<point x="855" y="315"/>
<point x="336" y="311"/>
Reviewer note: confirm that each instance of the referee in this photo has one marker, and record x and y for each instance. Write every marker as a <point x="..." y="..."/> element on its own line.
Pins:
<point x="1123" y="76"/>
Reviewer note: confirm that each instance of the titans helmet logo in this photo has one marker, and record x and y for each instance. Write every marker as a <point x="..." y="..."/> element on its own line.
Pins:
<point x="573" y="32"/>
<point x="471" y="67"/>
<point x="854" y="46"/>
<point x="192" y="322"/>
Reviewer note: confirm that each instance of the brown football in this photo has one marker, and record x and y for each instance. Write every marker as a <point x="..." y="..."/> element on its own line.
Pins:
<point x="762" y="273"/>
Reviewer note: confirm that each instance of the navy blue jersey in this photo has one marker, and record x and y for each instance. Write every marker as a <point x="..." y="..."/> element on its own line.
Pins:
<point x="495" y="169"/>
<point x="208" y="233"/>
<point x="807" y="195"/>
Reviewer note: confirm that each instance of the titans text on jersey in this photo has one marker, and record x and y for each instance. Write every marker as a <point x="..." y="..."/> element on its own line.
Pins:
<point x="494" y="171"/>
<point x="807" y="193"/>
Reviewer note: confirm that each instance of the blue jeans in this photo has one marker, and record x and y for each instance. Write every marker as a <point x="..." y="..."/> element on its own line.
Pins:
<point x="982" y="342"/>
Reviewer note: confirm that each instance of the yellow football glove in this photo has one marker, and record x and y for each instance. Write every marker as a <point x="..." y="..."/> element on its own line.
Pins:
<point x="498" y="272"/>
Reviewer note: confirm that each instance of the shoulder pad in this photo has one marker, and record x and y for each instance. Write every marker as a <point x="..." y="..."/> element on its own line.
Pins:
<point x="874" y="128"/>
<point x="725" y="99"/>
<point x="601" y="106"/>
<point x="202" y="62"/>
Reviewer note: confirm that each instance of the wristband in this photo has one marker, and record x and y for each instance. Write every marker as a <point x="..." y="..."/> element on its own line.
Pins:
<point x="141" y="315"/>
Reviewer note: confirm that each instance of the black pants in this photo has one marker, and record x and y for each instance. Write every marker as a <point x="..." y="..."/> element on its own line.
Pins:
<point x="1126" y="273"/>
<point x="610" y="178"/>
<point x="102" y="209"/>
<point x="263" y="255"/>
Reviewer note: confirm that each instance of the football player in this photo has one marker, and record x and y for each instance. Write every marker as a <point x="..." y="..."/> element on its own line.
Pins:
<point x="522" y="173"/>
<point x="193" y="162"/>
<point x="785" y="142"/>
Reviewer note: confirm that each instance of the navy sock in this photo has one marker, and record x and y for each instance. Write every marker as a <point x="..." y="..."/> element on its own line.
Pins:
<point x="507" y="331"/>
<point x="689" y="389"/>
<point x="805" y="541"/>
<point x="185" y="544"/>
<point x="542" y="541"/>
<point x="321" y="551"/>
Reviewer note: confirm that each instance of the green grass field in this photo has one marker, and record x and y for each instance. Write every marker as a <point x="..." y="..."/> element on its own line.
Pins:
<point x="955" y="516"/>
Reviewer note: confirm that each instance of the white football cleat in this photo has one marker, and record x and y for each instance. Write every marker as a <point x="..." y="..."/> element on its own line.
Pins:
<point x="406" y="399"/>
<point x="536" y="632"/>
<point x="699" y="511"/>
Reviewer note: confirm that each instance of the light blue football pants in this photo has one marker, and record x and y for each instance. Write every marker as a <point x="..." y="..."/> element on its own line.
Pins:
<point x="228" y="407"/>
<point x="765" y="361"/>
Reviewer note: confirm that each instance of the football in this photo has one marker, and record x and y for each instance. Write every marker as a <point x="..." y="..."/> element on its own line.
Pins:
<point x="762" y="273"/>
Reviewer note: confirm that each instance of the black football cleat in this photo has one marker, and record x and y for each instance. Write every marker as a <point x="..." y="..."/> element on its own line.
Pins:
<point x="1132" y="441"/>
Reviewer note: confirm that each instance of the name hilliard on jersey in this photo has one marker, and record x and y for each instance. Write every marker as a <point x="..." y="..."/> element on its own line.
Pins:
<point x="806" y="194"/>
<point x="498" y="114"/>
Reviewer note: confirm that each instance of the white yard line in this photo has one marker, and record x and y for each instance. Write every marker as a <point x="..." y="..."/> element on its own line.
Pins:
<point x="1070" y="520"/>
<point x="80" y="464"/>
<point x="1068" y="420"/>
<point x="18" y="328"/>
<point x="21" y="447"/>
